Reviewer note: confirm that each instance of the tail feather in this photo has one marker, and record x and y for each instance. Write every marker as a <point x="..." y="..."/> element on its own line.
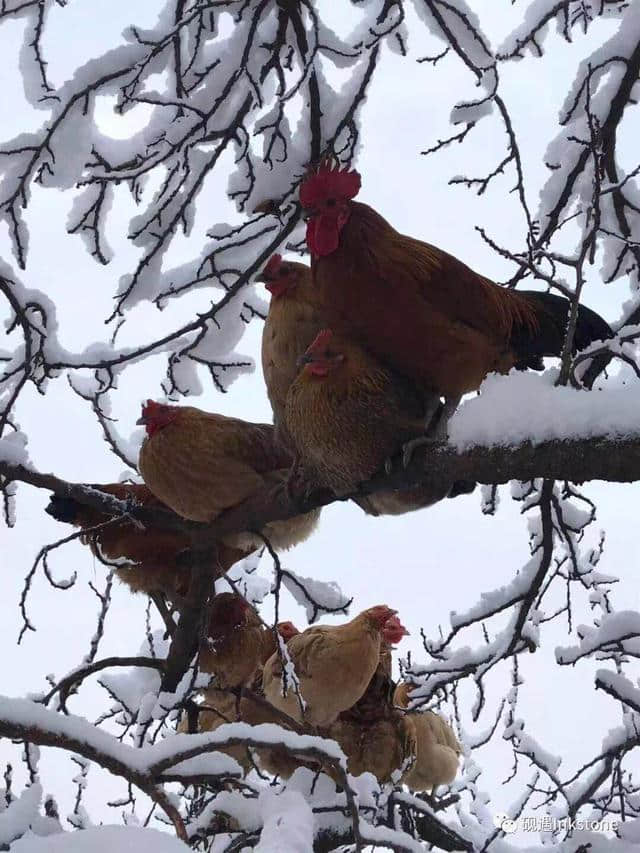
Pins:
<point x="63" y="509"/>
<point x="552" y="312"/>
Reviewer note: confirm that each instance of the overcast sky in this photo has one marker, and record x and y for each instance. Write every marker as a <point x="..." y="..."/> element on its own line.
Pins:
<point x="426" y="564"/>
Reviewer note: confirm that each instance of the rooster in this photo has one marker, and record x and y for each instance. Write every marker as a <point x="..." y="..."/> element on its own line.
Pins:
<point x="347" y="414"/>
<point x="147" y="559"/>
<point x="420" y="310"/>
<point x="333" y="665"/>
<point x="376" y="737"/>
<point x="437" y="747"/>
<point x="291" y="326"/>
<point x="200" y="464"/>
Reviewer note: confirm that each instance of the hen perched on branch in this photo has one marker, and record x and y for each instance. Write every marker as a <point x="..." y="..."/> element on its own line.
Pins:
<point x="421" y="311"/>
<point x="292" y="323"/>
<point x="347" y="414"/>
<point x="237" y="642"/>
<point x="201" y="463"/>
<point x="151" y="554"/>
<point x="375" y="736"/>
<point x="322" y="651"/>
<point x="228" y="663"/>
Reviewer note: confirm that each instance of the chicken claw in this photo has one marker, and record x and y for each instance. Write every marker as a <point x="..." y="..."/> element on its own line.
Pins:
<point x="436" y="429"/>
<point x="410" y="447"/>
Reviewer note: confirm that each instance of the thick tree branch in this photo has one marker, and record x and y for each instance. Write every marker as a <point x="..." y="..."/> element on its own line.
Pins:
<point x="615" y="460"/>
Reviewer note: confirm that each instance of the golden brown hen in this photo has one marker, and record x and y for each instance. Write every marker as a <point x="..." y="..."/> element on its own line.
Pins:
<point x="437" y="747"/>
<point x="152" y="554"/>
<point x="291" y="325"/>
<point x="333" y="664"/>
<point x="420" y="310"/>
<point x="201" y="463"/>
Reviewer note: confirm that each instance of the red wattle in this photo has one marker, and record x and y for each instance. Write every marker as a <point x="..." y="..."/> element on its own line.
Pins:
<point x="276" y="288"/>
<point x="323" y="236"/>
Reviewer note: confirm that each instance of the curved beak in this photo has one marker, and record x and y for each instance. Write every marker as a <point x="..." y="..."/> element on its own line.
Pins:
<point x="142" y="421"/>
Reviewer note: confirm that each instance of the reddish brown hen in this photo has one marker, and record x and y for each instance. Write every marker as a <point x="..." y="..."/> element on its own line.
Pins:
<point x="334" y="665"/>
<point x="226" y="706"/>
<point x="375" y="736"/>
<point x="420" y="310"/>
<point x="151" y="554"/>
<point x="237" y="641"/>
<point x="200" y="464"/>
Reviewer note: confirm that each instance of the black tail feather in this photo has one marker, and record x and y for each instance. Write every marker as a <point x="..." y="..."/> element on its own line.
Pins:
<point x="553" y="314"/>
<point x="62" y="509"/>
<point x="462" y="487"/>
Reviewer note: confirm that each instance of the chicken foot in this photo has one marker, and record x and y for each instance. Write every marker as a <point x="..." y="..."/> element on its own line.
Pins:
<point x="436" y="420"/>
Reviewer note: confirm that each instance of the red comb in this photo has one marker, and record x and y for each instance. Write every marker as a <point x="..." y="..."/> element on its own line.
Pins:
<point x="271" y="269"/>
<point x="321" y="340"/>
<point x="151" y="407"/>
<point x="326" y="182"/>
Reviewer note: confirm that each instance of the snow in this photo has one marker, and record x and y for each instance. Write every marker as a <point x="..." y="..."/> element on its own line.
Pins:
<point x="102" y="839"/>
<point x="201" y="766"/>
<point x="539" y="16"/>
<point x="317" y="597"/>
<point x="497" y="599"/>
<point x="464" y="23"/>
<point x="614" y="629"/>
<point x="167" y="753"/>
<point x="622" y="686"/>
<point x="288" y="823"/>
<point x="524" y="407"/>
<point x="13" y="448"/>
<point x="21" y="814"/>
<point x="598" y="78"/>
<point x="244" y="575"/>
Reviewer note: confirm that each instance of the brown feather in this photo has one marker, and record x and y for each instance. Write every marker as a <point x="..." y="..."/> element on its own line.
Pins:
<point x="219" y="707"/>
<point x="345" y="425"/>
<point x="153" y="552"/>
<point x="295" y="317"/>
<point x="318" y="654"/>
<point x="203" y="463"/>
<point x="420" y="310"/>
<point x="292" y="323"/>
<point x="375" y="737"/>
<point x="380" y="746"/>
<point x="235" y="646"/>
<point x="437" y="747"/>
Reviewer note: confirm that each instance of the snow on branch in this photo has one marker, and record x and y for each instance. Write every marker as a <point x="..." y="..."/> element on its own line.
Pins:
<point x="212" y="94"/>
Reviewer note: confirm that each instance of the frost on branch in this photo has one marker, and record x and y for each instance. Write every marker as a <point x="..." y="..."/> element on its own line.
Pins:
<point x="227" y="90"/>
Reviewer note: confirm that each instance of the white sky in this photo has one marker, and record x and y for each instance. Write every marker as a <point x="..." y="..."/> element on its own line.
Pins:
<point x="426" y="564"/>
